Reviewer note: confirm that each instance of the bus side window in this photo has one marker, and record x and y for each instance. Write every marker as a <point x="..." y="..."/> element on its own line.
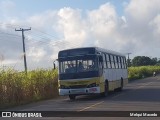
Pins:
<point x="112" y="61"/>
<point x="116" y="62"/>
<point x="125" y="63"/>
<point x="104" y="61"/>
<point x="109" y="61"/>
<point x="122" y="63"/>
<point x="119" y="62"/>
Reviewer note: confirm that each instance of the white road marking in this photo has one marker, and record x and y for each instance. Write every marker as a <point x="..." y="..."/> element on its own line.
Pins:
<point x="90" y="106"/>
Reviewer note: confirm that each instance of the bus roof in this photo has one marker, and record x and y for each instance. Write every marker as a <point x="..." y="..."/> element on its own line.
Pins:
<point x="109" y="51"/>
<point x="97" y="49"/>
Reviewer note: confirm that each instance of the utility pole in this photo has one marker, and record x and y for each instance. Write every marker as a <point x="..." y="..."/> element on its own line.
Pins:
<point x="128" y="61"/>
<point x="24" y="51"/>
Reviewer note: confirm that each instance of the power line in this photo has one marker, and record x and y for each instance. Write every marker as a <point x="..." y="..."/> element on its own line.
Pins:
<point x="55" y="43"/>
<point x="34" y="29"/>
<point x="44" y="33"/>
<point x="9" y="34"/>
<point x="39" y="36"/>
<point x="24" y="51"/>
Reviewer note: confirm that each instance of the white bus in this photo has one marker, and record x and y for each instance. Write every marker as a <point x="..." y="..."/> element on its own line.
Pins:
<point x="91" y="70"/>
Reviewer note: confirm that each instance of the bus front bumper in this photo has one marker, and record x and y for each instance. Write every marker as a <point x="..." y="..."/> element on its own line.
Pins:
<point x="79" y="91"/>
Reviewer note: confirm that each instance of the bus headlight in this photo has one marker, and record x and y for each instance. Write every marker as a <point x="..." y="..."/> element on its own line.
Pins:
<point x="64" y="87"/>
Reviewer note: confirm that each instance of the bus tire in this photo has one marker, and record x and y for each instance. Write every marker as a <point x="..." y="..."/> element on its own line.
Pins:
<point x="105" y="93"/>
<point x="120" y="89"/>
<point x="72" y="97"/>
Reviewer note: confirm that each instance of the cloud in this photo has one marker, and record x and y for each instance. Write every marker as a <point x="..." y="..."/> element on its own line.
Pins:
<point x="136" y="31"/>
<point x="7" y="8"/>
<point x="36" y="54"/>
<point x="72" y="26"/>
<point x="108" y="29"/>
<point x="141" y="20"/>
<point x="155" y="23"/>
<point x="102" y="23"/>
<point x="43" y="21"/>
<point x="7" y="5"/>
<point x="142" y="10"/>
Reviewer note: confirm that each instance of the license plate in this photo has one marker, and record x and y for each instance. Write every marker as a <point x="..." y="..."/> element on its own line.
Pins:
<point x="77" y="91"/>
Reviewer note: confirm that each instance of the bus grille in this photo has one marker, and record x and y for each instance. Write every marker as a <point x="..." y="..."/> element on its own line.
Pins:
<point x="78" y="86"/>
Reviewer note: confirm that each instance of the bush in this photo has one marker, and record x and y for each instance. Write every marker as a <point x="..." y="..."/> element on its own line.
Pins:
<point x="143" y="71"/>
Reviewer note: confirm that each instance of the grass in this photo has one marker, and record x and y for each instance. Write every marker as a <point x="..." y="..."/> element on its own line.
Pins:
<point x="18" y="88"/>
<point x="142" y="71"/>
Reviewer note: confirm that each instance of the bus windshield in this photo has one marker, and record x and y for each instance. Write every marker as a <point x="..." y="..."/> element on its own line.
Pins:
<point x="74" y="66"/>
<point x="80" y="66"/>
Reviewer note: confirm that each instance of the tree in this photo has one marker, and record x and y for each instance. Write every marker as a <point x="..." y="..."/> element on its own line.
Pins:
<point x="158" y="62"/>
<point x="141" y="61"/>
<point x="154" y="61"/>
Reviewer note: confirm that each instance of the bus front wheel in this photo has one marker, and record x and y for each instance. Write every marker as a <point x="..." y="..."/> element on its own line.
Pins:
<point x="72" y="97"/>
<point x="106" y="90"/>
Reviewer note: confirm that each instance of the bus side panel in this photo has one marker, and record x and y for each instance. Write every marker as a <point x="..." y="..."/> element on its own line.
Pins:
<point x="114" y="77"/>
<point x="111" y="85"/>
<point x="109" y="76"/>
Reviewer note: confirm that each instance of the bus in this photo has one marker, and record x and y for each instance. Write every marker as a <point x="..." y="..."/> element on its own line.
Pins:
<point x="90" y="70"/>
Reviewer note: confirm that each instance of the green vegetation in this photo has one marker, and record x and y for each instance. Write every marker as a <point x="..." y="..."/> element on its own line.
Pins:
<point x="18" y="88"/>
<point x="142" y="71"/>
<point x="143" y="61"/>
<point x="142" y="66"/>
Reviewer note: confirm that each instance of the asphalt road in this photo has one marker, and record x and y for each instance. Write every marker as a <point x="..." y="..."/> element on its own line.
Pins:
<point x="138" y="95"/>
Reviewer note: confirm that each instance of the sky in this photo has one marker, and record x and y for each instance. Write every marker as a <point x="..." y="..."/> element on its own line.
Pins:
<point x="125" y="26"/>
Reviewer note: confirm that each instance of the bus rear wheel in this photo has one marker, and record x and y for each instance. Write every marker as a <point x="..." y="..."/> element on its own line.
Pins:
<point x="72" y="97"/>
<point x="120" y="88"/>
